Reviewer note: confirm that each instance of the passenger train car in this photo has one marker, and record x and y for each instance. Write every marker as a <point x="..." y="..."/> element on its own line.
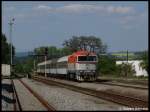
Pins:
<point x="81" y="66"/>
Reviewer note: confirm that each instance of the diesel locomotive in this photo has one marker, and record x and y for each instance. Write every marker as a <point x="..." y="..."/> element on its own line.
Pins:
<point x="80" y="65"/>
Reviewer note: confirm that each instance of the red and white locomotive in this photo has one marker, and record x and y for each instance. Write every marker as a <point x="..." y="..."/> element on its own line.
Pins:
<point x="81" y="66"/>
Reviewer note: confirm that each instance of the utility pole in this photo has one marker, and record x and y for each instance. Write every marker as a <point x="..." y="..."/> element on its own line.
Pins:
<point x="46" y="52"/>
<point x="45" y="67"/>
<point x="34" y="66"/>
<point x="127" y="64"/>
<point x="11" y="58"/>
<point x="127" y="55"/>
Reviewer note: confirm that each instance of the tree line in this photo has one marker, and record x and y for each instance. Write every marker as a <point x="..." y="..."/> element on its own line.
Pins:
<point x="89" y="43"/>
<point x="106" y="63"/>
<point x="6" y="50"/>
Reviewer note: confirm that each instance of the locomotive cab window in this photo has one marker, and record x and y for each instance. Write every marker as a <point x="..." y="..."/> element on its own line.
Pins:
<point x="86" y="58"/>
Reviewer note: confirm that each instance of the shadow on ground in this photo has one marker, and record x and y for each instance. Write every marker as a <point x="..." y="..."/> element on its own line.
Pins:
<point x="7" y="87"/>
<point x="7" y="99"/>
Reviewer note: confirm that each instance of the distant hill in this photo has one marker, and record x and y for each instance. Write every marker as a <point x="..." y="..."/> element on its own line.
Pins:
<point x="132" y="55"/>
<point x="21" y="54"/>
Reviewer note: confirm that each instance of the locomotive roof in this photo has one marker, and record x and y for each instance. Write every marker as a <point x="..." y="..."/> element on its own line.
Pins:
<point x="43" y="63"/>
<point x="65" y="58"/>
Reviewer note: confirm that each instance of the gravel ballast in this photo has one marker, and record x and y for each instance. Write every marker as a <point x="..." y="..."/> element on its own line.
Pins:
<point x="27" y="100"/>
<point x="142" y="94"/>
<point x="64" y="99"/>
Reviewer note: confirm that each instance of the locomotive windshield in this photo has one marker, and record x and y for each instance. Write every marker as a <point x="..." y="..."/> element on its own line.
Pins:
<point x="86" y="58"/>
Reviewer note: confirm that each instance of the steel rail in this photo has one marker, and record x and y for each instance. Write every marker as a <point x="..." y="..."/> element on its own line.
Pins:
<point x="15" y="97"/>
<point x="113" y="97"/>
<point x="42" y="100"/>
<point x="138" y="82"/>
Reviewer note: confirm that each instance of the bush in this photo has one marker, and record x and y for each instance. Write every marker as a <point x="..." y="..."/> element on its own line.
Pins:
<point x="144" y="63"/>
<point x="106" y="65"/>
<point x="125" y="69"/>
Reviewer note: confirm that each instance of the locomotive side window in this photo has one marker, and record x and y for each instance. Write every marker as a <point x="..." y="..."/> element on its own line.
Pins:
<point x="91" y="58"/>
<point x="82" y="58"/>
<point x="86" y="58"/>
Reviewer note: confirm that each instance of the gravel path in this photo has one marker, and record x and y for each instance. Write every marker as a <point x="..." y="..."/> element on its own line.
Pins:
<point x="7" y="98"/>
<point x="64" y="99"/>
<point x="27" y="100"/>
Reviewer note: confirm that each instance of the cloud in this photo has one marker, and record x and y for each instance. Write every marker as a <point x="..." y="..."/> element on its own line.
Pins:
<point x="20" y="16"/>
<point x="96" y="8"/>
<point x="78" y="8"/>
<point x="134" y="21"/>
<point x="86" y="8"/>
<point x="127" y="19"/>
<point x="8" y="8"/>
<point x="137" y="17"/>
<point x="120" y="9"/>
<point x="103" y="10"/>
<point x="42" y="7"/>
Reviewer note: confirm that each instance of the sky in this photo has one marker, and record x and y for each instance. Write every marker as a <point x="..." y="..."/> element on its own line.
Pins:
<point x="120" y="25"/>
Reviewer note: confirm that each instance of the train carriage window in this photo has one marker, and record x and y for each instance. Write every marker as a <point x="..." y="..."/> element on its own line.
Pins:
<point x="62" y="64"/>
<point x="47" y="66"/>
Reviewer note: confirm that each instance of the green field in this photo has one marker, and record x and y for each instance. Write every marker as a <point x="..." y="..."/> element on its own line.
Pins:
<point x="123" y="54"/>
<point x="131" y="56"/>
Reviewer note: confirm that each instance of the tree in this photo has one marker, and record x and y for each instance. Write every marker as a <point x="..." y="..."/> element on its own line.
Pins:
<point x="18" y="68"/>
<point x="73" y="44"/>
<point x="6" y="50"/>
<point x="40" y="50"/>
<point x="65" y="51"/>
<point x="53" y="52"/>
<point x="90" y="43"/>
<point x="28" y="65"/>
<point x="125" y="69"/>
<point x="144" y="63"/>
<point x="106" y="65"/>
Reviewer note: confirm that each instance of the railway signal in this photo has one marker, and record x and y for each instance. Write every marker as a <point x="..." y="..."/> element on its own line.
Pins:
<point x="46" y="51"/>
<point x="38" y="55"/>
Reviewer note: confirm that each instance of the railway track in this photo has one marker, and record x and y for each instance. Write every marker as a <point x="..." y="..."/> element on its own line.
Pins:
<point x="113" y="97"/>
<point x="122" y="85"/>
<point x="17" y="104"/>
<point x="125" y="81"/>
<point x="40" y="99"/>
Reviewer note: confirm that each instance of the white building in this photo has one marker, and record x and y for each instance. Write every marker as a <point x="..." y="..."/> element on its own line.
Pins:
<point x="5" y="70"/>
<point x="136" y="65"/>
